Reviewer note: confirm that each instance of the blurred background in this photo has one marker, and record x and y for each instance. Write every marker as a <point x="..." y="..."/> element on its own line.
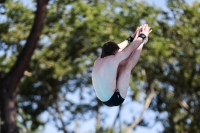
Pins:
<point x="47" y="50"/>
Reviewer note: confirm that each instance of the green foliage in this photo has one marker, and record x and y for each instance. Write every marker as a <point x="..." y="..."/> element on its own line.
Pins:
<point x="71" y="40"/>
<point x="72" y="37"/>
<point x="172" y="65"/>
<point x="15" y="28"/>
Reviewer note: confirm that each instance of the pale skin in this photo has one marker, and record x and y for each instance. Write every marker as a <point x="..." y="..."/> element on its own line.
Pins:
<point x="114" y="71"/>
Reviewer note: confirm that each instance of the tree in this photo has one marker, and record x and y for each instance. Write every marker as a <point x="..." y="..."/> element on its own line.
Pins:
<point x="173" y="65"/>
<point x="59" y="65"/>
<point x="71" y="40"/>
<point x="9" y="80"/>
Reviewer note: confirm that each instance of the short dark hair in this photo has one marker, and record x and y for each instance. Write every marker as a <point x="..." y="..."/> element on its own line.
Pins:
<point x="109" y="48"/>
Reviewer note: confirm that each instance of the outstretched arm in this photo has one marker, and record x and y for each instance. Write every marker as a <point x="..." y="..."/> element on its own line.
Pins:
<point x="123" y="44"/>
<point x="145" y="29"/>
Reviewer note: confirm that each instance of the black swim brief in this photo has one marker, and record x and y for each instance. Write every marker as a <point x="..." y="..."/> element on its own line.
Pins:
<point x="115" y="100"/>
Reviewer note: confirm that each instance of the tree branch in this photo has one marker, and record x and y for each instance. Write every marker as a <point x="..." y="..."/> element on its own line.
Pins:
<point x="53" y="117"/>
<point x="97" y="115"/>
<point x="60" y="117"/>
<point x="117" y="116"/>
<point x="147" y="103"/>
<point x="24" y="58"/>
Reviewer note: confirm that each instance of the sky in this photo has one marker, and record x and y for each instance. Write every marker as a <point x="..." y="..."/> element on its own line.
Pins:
<point x="129" y="108"/>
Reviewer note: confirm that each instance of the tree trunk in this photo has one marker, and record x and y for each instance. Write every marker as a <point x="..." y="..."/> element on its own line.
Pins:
<point x="7" y="109"/>
<point x="9" y="82"/>
<point x="1" y="1"/>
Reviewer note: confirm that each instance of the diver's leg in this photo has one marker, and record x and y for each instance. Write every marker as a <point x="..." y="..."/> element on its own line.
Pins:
<point x="124" y="71"/>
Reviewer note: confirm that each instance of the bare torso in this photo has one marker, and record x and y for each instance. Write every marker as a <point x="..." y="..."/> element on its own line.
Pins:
<point x="104" y="77"/>
<point x="114" y="71"/>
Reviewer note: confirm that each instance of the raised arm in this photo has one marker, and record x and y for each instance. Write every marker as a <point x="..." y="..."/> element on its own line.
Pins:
<point x="123" y="44"/>
<point x="139" y="39"/>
